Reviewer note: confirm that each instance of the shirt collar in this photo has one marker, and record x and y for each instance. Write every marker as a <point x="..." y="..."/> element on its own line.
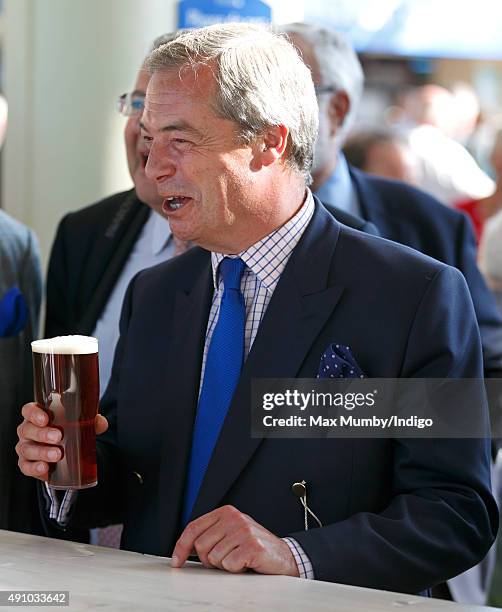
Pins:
<point x="338" y="189"/>
<point x="160" y="232"/>
<point x="268" y="257"/>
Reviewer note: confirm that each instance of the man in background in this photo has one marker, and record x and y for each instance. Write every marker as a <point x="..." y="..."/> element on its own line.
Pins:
<point x="382" y="152"/>
<point x="400" y="212"/>
<point x="20" y="295"/>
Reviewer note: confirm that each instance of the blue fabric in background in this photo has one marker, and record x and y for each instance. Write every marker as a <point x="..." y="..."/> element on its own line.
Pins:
<point x="13" y="313"/>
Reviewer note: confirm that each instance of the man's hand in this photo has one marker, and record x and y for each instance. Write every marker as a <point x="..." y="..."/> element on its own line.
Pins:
<point x="229" y="540"/>
<point x="37" y="444"/>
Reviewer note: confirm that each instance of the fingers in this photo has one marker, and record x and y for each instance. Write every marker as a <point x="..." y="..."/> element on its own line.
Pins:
<point x="36" y="433"/>
<point x="205" y="544"/>
<point x="230" y="540"/>
<point x="38" y="469"/>
<point x="192" y="532"/>
<point x="35" y="452"/>
<point x="237" y="560"/>
<point x="35" y="447"/>
<point x="217" y="554"/>
<point x="214" y="529"/>
<point x="33" y="413"/>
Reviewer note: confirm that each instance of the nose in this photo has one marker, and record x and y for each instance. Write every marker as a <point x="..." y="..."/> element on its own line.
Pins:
<point x="159" y="165"/>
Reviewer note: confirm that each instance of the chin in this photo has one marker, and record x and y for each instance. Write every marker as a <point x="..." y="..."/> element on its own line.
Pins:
<point x="182" y="232"/>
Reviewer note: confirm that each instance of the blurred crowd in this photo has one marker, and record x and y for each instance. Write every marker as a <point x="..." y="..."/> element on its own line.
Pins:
<point x="438" y="140"/>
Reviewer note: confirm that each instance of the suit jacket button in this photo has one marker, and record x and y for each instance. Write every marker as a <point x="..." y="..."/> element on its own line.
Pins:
<point x="139" y="477"/>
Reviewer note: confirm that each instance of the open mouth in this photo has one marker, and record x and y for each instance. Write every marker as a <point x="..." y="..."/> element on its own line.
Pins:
<point x="173" y="203"/>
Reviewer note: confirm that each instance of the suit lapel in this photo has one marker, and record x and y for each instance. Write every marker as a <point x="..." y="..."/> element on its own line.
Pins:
<point x="303" y="300"/>
<point x="108" y="257"/>
<point x="180" y="391"/>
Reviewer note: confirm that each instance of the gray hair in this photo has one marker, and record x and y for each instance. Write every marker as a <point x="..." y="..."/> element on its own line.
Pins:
<point x="338" y="64"/>
<point x="261" y="82"/>
<point x="164" y="38"/>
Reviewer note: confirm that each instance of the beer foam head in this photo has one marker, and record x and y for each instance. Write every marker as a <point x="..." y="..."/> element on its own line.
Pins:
<point x="66" y="345"/>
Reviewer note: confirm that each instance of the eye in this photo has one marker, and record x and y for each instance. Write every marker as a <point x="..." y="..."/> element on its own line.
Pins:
<point x="138" y="104"/>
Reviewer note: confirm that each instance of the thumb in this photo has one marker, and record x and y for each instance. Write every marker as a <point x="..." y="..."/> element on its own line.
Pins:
<point x="100" y="424"/>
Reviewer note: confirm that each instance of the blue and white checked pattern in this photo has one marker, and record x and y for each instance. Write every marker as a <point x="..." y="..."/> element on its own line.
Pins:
<point x="305" y="568"/>
<point x="265" y="262"/>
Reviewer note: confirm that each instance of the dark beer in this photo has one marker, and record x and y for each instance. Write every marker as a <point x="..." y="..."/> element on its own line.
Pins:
<point x="66" y="381"/>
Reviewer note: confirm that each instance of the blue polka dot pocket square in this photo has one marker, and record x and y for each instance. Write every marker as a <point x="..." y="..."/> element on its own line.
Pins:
<point x="13" y="313"/>
<point x="337" y="361"/>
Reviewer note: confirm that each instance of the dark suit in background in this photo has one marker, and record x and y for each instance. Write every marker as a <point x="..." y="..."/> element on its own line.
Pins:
<point x="399" y="515"/>
<point x="88" y="255"/>
<point x="412" y="217"/>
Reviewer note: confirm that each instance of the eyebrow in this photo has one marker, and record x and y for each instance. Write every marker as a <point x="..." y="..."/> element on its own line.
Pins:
<point x="138" y="92"/>
<point x="182" y="126"/>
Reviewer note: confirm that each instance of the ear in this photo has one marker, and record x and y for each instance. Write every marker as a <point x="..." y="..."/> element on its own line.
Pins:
<point x="272" y="144"/>
<point x="339" y="106"/>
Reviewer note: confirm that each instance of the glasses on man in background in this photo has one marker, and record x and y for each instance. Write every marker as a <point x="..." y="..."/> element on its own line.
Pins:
<point x="130" y="104"/>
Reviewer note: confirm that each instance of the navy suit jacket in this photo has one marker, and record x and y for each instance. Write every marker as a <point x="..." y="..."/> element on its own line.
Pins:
<point x="414" y="218"/>
<point x="90" y="250"/>
<point x="398" y="514"/>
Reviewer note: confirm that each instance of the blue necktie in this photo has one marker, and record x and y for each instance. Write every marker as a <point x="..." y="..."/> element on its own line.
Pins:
<point x="225" y="357"/>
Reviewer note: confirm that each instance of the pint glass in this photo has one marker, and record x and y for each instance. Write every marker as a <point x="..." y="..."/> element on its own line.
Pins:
<point x="66" y="384"/>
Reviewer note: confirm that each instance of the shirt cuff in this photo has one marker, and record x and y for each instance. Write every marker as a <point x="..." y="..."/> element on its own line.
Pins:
<point x="57" y="507"/>
<point x="305" y="568"/>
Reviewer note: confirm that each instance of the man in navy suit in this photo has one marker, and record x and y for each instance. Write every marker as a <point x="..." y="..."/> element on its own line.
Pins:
<point x="230" y="120"/>
<point x="400" y="212"/>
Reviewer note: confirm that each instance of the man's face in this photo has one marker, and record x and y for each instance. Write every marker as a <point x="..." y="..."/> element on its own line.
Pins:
<point x="207" y="180"/>
<point x="137" y="152"/>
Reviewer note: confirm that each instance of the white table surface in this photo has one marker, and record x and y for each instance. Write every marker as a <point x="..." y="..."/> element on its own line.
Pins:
<point x="105" y="579"/>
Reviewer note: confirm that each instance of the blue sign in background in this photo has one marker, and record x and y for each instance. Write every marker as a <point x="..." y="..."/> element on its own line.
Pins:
<point x="200" y="13"/>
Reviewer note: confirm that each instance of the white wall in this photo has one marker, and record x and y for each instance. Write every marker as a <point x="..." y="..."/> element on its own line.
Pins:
<point x="66" y="61"/>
